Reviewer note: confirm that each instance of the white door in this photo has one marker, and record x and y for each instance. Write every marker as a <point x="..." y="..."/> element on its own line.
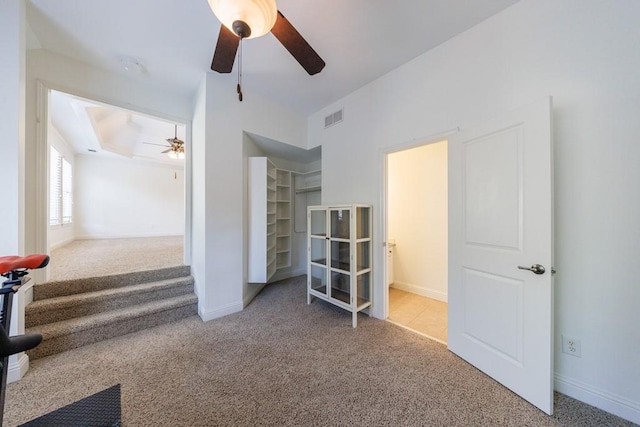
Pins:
<point x="501" y="219"/>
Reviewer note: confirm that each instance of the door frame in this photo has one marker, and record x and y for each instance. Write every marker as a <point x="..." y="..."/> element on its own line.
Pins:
<point x="383" y="291"/>
<point x="43" y="91"/>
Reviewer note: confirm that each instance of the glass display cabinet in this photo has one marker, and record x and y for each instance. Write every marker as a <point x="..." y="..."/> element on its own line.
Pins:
<point x="339" y="262"/>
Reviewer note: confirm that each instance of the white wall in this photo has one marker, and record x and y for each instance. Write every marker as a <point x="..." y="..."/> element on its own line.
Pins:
<point x="218" y="217"/>
<point x="60" y="235"/>
<point x="12" y="161"/>
<point x="126" y="198"/>
<point x="417" y="219"/>
<point x="12" y="101"/>
<point x="250" y="149"/>
<point x="198" y="201"/>
<point x="77" y="78"/>
<point x="584" y="53"/>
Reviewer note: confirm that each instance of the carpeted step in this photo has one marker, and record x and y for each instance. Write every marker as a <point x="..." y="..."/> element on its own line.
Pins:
<point x="93" y="284"/>
<point x="85" y="304"/>
<point x="73" y="333"/>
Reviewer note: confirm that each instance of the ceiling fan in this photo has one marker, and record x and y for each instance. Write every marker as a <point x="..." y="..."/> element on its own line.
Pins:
<point x="175" y="149"/>
<point x="247" y="19"/>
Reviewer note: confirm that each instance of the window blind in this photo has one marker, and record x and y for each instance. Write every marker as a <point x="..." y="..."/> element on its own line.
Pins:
<point x="60" y="189"/>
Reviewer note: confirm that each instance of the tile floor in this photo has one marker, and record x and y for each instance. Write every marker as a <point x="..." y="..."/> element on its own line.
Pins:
<point x="422" y="314"/>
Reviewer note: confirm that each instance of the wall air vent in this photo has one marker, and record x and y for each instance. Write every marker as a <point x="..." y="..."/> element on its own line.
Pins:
<point x="334" y="118"/>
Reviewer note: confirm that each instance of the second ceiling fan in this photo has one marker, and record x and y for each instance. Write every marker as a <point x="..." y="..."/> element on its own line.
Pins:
<point x="246" y="19"/>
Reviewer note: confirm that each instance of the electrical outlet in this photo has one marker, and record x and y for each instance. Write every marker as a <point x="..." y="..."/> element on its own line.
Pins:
<point x="571" y="346"/>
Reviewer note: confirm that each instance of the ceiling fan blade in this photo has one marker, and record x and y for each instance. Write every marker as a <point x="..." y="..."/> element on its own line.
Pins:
<point x="225" y="52"/>
<point x="175" y="141"/>
<point x="166" y="151"/>
<point x="152" y="143"/>
<point x="297" y="45"/>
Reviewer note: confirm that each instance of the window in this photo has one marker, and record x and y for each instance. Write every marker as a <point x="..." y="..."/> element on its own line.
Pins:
<point x="60" y="190"/>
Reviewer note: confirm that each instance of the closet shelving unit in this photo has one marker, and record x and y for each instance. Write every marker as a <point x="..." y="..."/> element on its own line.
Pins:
<point x="283" y="219"/>
<point x="269" y="219"/>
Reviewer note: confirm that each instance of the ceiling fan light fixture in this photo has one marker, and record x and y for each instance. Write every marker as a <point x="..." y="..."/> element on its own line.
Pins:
<point x="259" y="15"/>
<point x="176" y="154"/>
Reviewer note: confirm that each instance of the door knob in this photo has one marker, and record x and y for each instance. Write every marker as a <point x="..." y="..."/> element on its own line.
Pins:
<point x="535" y="268"/>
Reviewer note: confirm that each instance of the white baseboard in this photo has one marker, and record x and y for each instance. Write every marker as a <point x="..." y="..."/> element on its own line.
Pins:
<point x="18" y="366"/>
<point x="419" y="290"/>
<point x="593" y="396"/>
<point x="219" y="311"/>
<point x="61" y="243"/>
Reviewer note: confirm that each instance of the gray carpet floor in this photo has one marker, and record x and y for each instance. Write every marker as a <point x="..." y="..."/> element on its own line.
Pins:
<point x="282" y="362"/>
<point x="104" y="257"/>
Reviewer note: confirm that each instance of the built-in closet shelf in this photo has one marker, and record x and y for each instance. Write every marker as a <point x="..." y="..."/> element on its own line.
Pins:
<point x="270" y="219"/>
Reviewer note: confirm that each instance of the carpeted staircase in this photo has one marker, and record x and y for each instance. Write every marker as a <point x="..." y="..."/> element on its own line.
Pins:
<point x="73" y="313"/>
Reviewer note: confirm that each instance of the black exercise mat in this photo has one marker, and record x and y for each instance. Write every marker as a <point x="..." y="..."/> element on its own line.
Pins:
<point x="98" y="410"/>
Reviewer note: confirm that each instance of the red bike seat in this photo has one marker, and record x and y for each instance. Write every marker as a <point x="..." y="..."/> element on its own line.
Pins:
<point x="31" y="262"/>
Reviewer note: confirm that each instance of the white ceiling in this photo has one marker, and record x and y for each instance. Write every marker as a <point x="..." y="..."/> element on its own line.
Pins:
<point x="360" y="40"/>
<point x="96" y="129"/>
<point x="174" y="40"/>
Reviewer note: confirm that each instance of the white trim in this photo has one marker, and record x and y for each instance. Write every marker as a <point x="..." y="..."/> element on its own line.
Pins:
<point x="41" y="206"/>
<point x="42" y="152"/>
<point x="18" y="366"/>
<point x="380" y="310"/>
<point x="419" y="290"/>
<point x="594" y="396"/>
<point x="220" y="311"/>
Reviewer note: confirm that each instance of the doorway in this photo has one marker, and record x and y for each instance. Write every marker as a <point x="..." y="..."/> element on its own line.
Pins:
<point x="126" y="193"/>
<point x="417" y="239"/>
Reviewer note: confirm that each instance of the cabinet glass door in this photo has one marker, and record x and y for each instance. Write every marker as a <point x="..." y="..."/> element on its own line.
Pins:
<point x="318" y="223"/>
<point x="341" y="287"/>
<point x="341" y="256"/>
<point x="319" y="279"/>
<point x="340" y="226"/>
<point x="363" y="288"/>
<point x="318" y="250"/>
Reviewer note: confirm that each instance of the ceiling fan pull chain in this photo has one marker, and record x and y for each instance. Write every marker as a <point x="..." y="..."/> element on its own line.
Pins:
<point x="239" y="89"/>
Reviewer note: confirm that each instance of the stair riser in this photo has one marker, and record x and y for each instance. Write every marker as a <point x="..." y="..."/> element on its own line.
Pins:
<point x="62" y="343"/>
<point x="94" y="284"/>
<point x="53" y="313"/>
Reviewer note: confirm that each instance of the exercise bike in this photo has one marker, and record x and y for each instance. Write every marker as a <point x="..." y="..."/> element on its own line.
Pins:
<point x="14" y="269"/>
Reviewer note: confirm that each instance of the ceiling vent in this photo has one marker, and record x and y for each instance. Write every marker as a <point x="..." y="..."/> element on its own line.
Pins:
<point x="334" y="118"/>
